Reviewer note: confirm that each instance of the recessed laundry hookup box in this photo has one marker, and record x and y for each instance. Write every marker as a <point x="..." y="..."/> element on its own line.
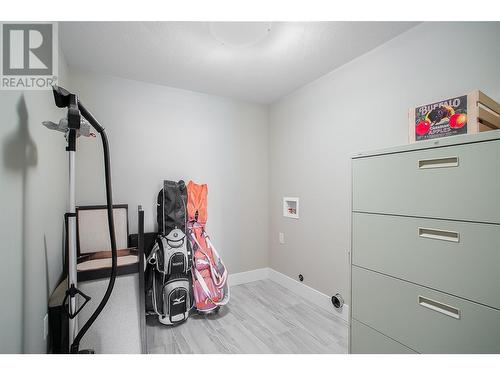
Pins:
<point x="291" y="207"/>
<point x="465" y="114"/>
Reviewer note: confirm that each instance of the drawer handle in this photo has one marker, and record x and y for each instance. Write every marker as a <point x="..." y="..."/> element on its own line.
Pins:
<point x="438" y="234"/>
<point x="438" y="163"/>
<point x="439" y="307"/>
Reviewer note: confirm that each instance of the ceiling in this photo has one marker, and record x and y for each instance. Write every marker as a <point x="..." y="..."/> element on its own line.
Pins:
<point x="258" y="62"/>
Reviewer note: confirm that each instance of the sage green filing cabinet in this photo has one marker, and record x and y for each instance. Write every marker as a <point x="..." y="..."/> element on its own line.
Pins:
<point x="370" y="341"/>
<point x="425" y="259"/>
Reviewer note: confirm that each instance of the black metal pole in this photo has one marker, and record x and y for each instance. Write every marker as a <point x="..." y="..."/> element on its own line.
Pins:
<point x="63" y="98"/>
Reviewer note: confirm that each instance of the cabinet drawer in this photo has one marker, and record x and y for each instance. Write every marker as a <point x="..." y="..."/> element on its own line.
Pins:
<point x="365" y="340"/>
<point x="459" y="182"/>
<point x="456" y="257"/>
<point x="423" y="319"/>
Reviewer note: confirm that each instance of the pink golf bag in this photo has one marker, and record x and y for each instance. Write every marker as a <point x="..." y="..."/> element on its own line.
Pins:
<point x="210" y="287"/>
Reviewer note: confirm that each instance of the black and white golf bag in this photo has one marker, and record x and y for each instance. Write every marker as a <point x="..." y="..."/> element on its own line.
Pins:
<point x="168" y="266"/>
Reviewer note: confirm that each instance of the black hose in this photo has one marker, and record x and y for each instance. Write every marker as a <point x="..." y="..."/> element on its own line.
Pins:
<point x="75" y="346"/>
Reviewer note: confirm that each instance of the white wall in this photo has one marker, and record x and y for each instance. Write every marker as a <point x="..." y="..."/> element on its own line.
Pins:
<point x="33" y="182"/>
<point x="158" y="133"/>
<point x="362" y="105"/>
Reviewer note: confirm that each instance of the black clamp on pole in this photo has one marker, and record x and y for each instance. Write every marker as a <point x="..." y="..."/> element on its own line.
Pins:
<point x="72" y="292"/>
<point x="74" y="119"/>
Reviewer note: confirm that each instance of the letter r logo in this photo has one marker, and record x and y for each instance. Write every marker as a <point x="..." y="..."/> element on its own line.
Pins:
<point x="27" y="49"/>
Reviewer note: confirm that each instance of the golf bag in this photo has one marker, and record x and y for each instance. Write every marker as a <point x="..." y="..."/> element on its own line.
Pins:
<point x="168" y="265"/>
<point x="209" y="273"/>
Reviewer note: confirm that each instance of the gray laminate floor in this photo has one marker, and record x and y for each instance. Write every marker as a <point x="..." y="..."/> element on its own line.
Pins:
<point x="261" y="317"/>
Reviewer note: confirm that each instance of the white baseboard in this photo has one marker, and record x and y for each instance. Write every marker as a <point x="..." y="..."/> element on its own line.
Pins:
<point x="312" y="295"/>
<point x="248" y="276"/>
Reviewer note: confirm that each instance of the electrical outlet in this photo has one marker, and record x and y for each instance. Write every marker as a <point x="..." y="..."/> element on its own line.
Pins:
<point x="45" y="326"/>
<point x="282" y="237"/>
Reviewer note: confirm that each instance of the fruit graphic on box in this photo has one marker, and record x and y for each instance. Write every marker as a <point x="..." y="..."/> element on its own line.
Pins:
<point x="440" y="119"/>
<point x="463" y="114"/>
